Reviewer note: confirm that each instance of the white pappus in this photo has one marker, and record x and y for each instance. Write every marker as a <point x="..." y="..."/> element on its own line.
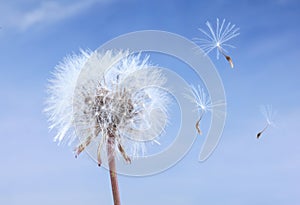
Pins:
<point x="107" y="99"/>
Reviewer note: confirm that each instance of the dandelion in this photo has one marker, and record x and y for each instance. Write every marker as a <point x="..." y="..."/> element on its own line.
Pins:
<point x="202" y="101"/>
<point x="216" y="39"/>
<point x="269" y="115"/>
<point x="107" y="108"/>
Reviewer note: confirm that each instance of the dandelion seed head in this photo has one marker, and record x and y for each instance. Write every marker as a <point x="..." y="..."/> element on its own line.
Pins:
<point x="217" y="37"/>
<point x="117" y="93"/>
<point x="199" y="97"/>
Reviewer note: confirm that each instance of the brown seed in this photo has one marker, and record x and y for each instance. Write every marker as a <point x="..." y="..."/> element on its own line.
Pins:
<point x="198" y="127"/>
<point x="258" y="135"/>
<point x="229" y="60"/>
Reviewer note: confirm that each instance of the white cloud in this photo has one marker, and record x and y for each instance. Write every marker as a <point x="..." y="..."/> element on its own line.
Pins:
<point x="17" y="16"/>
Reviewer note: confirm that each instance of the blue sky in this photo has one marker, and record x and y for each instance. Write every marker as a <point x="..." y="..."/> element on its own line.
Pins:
<point x="36" y="35"/>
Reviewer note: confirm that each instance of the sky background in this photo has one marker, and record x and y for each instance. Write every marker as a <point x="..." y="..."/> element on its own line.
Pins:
<point x="36" y="35"/>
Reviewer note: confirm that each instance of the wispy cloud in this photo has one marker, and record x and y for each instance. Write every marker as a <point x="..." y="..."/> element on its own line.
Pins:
<point x="23" y="18"/>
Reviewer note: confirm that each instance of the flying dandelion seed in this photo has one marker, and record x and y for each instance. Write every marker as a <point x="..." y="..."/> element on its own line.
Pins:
<point x="110" y="109"/>
<point x="202" y="101"/>
<point x="217" y="38"/>
<point x="269" y="115"/>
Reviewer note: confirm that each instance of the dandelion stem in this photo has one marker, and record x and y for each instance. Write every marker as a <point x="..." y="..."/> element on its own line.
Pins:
<point x="112" y="170"/>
